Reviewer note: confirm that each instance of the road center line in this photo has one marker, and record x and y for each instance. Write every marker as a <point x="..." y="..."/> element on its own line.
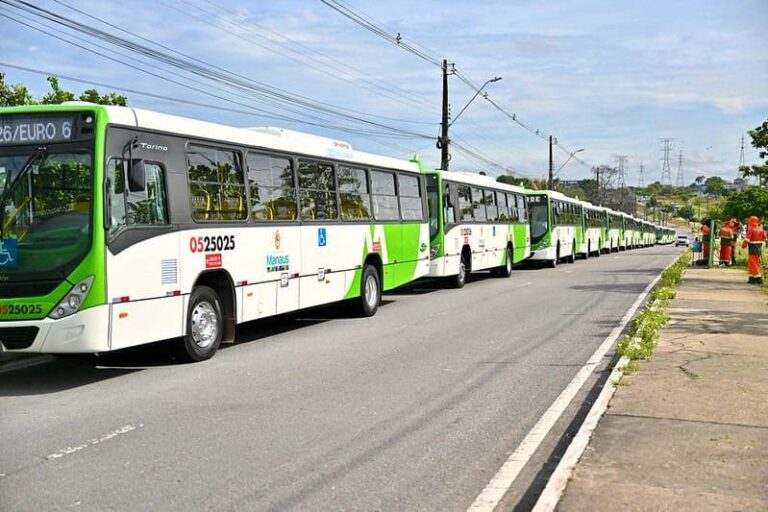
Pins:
<point x="490" y="497"/>
<point x="92" y="442"/>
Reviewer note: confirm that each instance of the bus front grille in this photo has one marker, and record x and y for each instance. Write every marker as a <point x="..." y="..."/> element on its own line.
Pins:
<point x="16" y="338"/>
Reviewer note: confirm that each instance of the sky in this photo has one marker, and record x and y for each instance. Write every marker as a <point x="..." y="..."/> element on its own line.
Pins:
<point x="609" y="78"/>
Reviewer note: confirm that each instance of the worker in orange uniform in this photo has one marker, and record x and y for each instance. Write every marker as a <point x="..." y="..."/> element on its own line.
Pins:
<point x="706" y="239"/>
<point x="726" y="242"/>
<point x="755" y="240"/>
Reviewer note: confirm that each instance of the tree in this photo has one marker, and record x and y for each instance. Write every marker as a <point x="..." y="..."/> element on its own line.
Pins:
<point x="752" y="201"/>
<point x="57" y="95"/>
<point x="759" y="141"/>
<point x="13" y="95"/>
<point x="686" y="212"/>
<point x="715" y="185"/>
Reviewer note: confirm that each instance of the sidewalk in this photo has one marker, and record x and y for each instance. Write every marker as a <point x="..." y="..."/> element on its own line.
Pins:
<point x="689" y="431"/>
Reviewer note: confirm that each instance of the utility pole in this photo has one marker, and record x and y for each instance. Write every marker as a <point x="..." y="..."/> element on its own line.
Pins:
<point x="442" y="143"/>
<point x="550" y="182"/>
<point x="680" y="180"/>
<point x="620" y="161"/>
<point x="741" y="157"/>
<point x="666" y="176"/>
<point x="641" y="179"/>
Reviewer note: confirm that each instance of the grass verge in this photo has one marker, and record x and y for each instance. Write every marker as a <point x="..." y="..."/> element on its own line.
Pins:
<point x="643" y="334"/>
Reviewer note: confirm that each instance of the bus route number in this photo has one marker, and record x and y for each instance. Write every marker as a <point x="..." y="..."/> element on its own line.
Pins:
<point x="212" y="243"/>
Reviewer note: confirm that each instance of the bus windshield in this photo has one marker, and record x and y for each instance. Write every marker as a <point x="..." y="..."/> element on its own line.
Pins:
<point x="539" y="219"/>
<point x="45" y="210"/>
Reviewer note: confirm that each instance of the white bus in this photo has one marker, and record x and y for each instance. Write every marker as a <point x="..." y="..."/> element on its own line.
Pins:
<point x="556" y="226"/>
<point x="127" y="226"/>
<point x="476" y="223"/>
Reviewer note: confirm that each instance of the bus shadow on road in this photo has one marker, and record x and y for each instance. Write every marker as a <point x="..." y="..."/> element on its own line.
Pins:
<point x="55" y="376"/>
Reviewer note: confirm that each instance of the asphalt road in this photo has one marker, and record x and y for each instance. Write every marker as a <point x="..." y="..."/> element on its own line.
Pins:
<point x="413" y="409"/>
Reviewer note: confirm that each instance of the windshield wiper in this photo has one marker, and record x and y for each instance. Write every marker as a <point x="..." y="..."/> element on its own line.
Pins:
<point x="38" y="154"/>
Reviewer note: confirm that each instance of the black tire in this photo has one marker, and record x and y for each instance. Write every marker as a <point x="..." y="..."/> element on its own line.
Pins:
<point x="205" y="326"/>
<point x="460" y="279"/>
<point x="572" y="257"/>
<point x="589" y="250"/>
<point x="553" y="263"/>
<point x="370" y="292"/>
<point x="506" y="269"/>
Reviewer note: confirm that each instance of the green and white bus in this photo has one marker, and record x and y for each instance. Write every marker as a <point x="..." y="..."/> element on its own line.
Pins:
<point x="615" y="230"/>
<point x="556" y="228"/>
<point x="475" y="223"/>
<point x="122" y="227"/>
<point x="593" y="224"/>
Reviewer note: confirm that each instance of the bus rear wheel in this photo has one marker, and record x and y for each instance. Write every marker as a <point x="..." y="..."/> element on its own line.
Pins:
<point x="205" y="326"/>
<point x="370" y="292"/>
<point x="506" y="269"/>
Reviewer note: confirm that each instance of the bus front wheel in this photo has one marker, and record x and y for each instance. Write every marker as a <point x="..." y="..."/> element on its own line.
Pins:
<point x="205" y="326"/>
<point x="460" y="279"/>
<point x="370" y="291"/>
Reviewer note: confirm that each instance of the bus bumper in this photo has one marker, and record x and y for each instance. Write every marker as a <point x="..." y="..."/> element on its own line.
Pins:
<point x="547" y="254"/>
<point x="86" y="331"/>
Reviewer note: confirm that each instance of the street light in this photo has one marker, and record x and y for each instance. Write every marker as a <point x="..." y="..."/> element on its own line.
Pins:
<point x="494" y="79"/>
<point x="443" y="141"/>
<point x="571" y="155"/>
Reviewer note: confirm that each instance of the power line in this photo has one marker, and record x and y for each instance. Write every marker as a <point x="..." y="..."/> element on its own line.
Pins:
<point x="680" y="180"/>
<point x="666" y="175"/>
<point x="261" y="91"/>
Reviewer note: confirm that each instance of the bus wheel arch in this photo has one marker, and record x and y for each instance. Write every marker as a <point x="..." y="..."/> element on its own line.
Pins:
<point x="465" y="267"/>
<point x="221" y="282"/>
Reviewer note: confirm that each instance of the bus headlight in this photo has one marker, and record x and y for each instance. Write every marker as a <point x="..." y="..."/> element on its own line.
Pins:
<point x="72" y="300"/>
<point x="433" y="251"/>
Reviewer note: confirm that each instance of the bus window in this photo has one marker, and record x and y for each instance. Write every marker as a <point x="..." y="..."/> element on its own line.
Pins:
<point x="478" y="205"/>
<point x="522" y="213"/>
<point x="273" y="193"/>
<point x="465" y="203"/>
<point x="490" y="205"/>
<point x="411" y="204"/>
<point x="317" y="191"/>
<point x="449" y="206"/>
<point x="353" y="193"/>
<point x="147" y="207"/>
<point x="433" y="205"/>
<point x="216" y="184"/>
<point x="501" y="201"/>
<point x="513" y="212"/>
<point x="384" y="196"/>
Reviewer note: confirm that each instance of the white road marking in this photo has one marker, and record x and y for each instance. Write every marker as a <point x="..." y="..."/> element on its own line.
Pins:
<point x="92" y="442"/>
<point x="523" y="285"/>
<point x="490" y="497"/>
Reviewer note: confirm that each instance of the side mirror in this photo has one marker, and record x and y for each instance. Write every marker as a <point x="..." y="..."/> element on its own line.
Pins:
<point x="137" y="176"/>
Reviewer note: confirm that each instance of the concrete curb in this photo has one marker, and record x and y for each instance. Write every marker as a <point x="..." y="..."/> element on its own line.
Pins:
<point x="553" y="491"/>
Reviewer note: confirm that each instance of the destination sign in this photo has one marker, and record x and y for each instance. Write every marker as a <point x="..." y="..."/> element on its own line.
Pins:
<point x="35" y="130"/>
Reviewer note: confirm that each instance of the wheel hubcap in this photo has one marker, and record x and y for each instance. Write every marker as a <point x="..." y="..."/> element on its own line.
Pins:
<point x="371" y="291"/>
<point x="205" y="324"/>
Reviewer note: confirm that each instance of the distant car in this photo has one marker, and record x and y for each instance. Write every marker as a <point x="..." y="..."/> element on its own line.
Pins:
<point x="682" y="240"/>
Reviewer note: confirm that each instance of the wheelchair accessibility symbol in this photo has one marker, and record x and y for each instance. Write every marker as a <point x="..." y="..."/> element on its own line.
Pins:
<point x="8" y="251"/>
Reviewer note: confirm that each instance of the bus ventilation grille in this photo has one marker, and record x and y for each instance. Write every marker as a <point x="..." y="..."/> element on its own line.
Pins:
<point x="16" y="338"/>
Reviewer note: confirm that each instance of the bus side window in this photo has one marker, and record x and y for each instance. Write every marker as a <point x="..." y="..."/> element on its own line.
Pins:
<point x="384" y="196"/>
<point x="272" y="188"/>
<point x="490" y="204"/>
<point x="147" y="207"/>
<point x="317" y="191"/>
<point x="216" y="184"/>
<point x="522" y="214"/>
<point x="411" y="204"/>
<point x="449" y="208"/>
<point x="501" y="201"/>
<point x="478" y="205"/>
<point x="353" y="193"/>
<point x="465" y="203"/>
